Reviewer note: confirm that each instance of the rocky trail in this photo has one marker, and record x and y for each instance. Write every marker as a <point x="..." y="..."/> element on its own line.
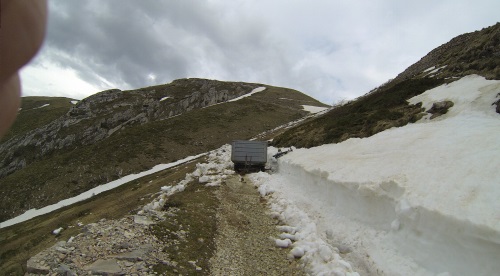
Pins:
<point x="243" y="242"/>
<point x="245" y="238"/>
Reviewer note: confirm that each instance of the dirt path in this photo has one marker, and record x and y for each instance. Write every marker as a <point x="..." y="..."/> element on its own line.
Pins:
<point x="221" y="230"/>
<point x="243" y="242"/>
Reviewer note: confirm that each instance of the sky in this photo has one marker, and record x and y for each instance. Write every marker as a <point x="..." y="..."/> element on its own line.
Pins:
<point x="331" y="50"/>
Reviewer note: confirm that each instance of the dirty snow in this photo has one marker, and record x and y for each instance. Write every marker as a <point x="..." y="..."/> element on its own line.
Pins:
<point x="211" y="173"/>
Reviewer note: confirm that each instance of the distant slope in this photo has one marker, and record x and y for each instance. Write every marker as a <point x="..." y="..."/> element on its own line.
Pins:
<point x="36" y="112"/>
<point x="471" y="53"/>
<point x="115" y="133"/>
<point x="385" y="107"/>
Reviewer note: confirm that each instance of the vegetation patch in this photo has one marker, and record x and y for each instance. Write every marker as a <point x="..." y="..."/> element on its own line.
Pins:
<point x="50" y="176"/>
<point x="382" y="109"/>
<point x="36" y="112"/>
<point x="189" y="234"/>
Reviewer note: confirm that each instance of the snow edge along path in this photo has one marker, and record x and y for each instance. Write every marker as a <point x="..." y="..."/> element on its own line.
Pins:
<point x="94" y="191"/>
<point x="416" y="200"/>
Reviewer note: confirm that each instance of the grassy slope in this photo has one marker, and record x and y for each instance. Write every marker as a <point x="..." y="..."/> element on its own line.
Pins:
<point x="141" y="147"/>
<point x="372" y="113"/>
<point x="21" y="241"/>
<point x="472" y="53"/>
<point x="67" y="173"/>
<point x="31" y="116"/>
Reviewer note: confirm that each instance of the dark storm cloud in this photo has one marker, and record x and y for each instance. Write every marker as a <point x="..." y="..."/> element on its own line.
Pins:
<point x="327" y="49"/>
<point x="124" y="41"/>
<point x="113" y="39"/>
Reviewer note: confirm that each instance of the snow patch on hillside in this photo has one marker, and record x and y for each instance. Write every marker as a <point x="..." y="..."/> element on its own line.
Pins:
<point x="256" y="90"/>
<point x="42" y="106"/>
<point x="314" y="109"/>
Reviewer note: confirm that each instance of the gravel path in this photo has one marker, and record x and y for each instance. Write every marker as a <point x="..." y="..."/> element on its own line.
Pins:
<point x="245" y="230"/>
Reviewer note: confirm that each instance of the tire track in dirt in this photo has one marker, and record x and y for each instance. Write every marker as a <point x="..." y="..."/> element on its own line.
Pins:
<point x="243" y="242"/>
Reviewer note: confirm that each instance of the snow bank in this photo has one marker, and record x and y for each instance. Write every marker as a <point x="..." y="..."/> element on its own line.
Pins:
<point x="318" y="257"/>
<point x="417" y="200"/>
<point x="314" y="109"/>
<point x="164" y="98"/>
<point x="212" y="173"/>
<point x="90" y="193"/>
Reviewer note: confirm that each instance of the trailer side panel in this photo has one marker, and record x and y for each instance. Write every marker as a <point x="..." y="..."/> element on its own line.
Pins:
<point x="249" y="153"/>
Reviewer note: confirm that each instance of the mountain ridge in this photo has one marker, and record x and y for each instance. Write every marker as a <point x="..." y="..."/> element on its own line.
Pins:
<point x="386" y="106"/>
<point x="114" y="133"/>
<point x="137" y="147"/>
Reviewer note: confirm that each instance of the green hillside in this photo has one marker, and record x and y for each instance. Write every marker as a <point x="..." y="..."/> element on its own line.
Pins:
<point x="36" y="112"/>
<point x="51" y="176"/>
<point x="385" y="107"/>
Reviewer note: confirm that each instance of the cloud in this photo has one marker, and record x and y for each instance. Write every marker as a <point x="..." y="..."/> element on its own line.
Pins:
<point x="327" y="49"/>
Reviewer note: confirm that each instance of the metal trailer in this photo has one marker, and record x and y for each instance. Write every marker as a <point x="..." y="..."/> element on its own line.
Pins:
<point x="249" y="156"/>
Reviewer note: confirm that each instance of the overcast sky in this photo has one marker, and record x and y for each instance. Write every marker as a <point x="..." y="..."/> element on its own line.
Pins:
<point x="330" y="50"/>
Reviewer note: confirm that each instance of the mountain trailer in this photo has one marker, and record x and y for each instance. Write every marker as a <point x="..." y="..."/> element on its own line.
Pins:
<point x="249" y="156"/>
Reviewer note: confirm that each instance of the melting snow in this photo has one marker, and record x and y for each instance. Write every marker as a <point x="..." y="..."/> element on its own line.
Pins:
<point x="90" y="193"/>
<point x="73" y="102"/>
<point x="42" y="106"/>
<point x="57" y="231"/>
<point x="433" y="70"/>
<point x="422" y="199"/>
<point x="164" y="98"/>
<point x="429" y="69"/>
<point x="314" y="109"/>
<point x="256" y="90"/>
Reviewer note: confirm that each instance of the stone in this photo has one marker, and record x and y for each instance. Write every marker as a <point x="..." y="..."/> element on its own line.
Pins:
<point x="34" y="267"/>
<point x="65" y="270"/>
<point x="105" y="267"/>
<point x="136" y="255"/>
<point x="142" y="220"/>
<point x="128" y="264"/>
<point x="122" y="245"/>
<point x="440" y="108"/>
<point x="497" y="103"/>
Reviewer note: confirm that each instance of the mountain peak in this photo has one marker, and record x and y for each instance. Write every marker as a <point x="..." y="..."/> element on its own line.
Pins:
<point x="470" y="53"/>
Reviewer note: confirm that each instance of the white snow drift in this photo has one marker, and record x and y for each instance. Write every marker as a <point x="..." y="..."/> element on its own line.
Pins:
<point x="256" y="90"/>
<point x="422" y="199"/>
